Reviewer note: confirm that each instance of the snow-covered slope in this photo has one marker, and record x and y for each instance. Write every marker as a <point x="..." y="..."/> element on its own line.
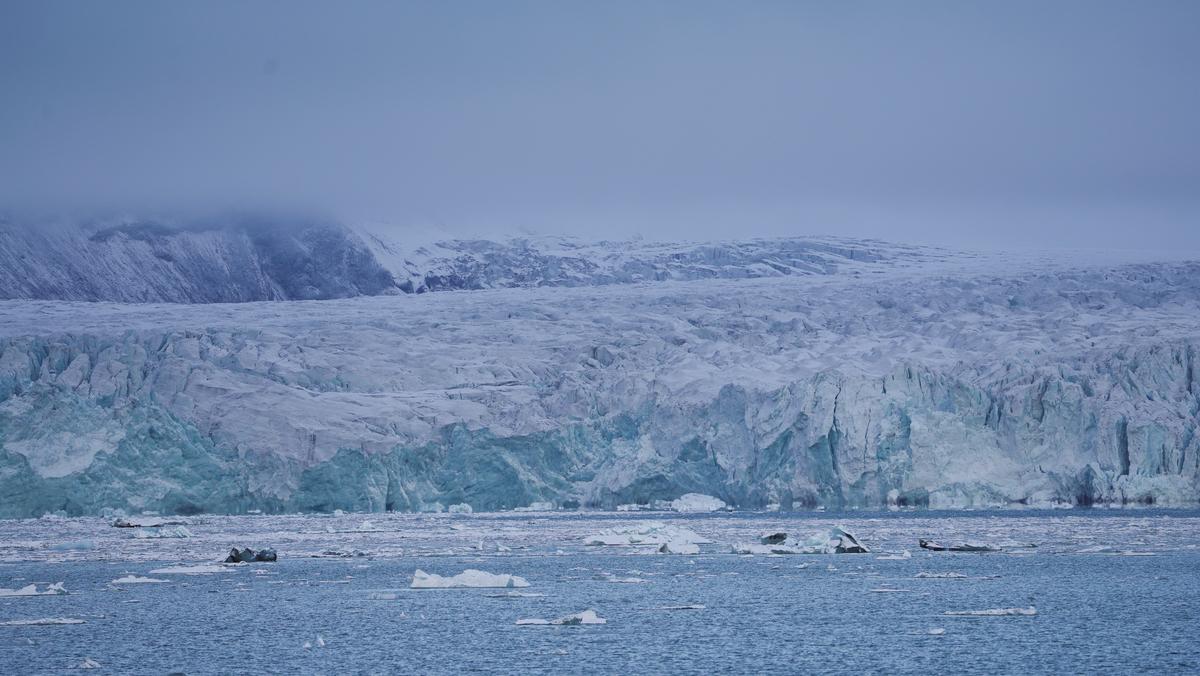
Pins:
<point x="236" y="259"/>
<point x="914" y="377"/>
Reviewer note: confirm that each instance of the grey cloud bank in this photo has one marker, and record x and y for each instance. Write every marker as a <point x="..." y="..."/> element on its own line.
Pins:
<point x="1021" y="124"/>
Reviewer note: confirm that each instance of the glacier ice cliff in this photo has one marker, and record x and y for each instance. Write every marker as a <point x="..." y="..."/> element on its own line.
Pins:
<point x="945" y="380"/>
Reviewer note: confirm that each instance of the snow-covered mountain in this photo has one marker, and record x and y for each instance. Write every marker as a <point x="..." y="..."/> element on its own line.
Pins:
<point x="236" y="259"/>
<point x="788" y="372"/>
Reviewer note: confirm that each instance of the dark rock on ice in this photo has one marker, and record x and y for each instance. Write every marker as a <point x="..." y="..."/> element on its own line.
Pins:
<point x="964" y="547"/>
<point x="248" y="555"/>
<point x="772" y="538"/>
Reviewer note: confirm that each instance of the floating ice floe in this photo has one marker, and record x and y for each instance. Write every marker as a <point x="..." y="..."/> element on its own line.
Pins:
<point x="145" y="522"/>
<point x="134" y="579"/>
<point x="679" y="548"/>
<point x="902" y="556"/>
<point x="834" y="541"/>
<point x="88" y="663"/>
<point x="992" y="612"/>
<point x="203" y="569"/>
<point x="697" y="502"/>
<point x="74" y="545"/>
<point x="646" y="533"/>
<point x="32" y="590"/>
<point x="940" y="576"/>
<point x="43" y="621"/>
<point x="465" y="579"/>
<point x="889" y="590"/>
<point x="585" y="617"/>
<point x="460" y="508"/>
<point x="515" y="595"/>
<point x="156" y="533"/>
<point x="962" y="547"/>
<point x="936" y="631"/>
<point x="609" y="577"/>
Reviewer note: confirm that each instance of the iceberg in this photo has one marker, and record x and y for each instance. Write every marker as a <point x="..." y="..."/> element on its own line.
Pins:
<point x="697" y="502"/>
<point x="585" y="617"/>
<point x="465" y="579"/>
<point x="159" y="533"/>
<point x="55" y="589"/>
<point x="687" y="548"/>
<point x="963" y="547"/>
<point x="834" y="541"/>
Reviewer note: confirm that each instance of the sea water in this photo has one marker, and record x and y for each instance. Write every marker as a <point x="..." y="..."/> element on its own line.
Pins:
<point x="1113" y="591"/>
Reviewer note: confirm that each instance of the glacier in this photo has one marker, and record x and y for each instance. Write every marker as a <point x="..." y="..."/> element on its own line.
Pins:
<point x="878" y="375"/>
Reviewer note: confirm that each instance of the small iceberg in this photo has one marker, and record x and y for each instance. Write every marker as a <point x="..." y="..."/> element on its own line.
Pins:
<point x="645" y="533"/>
<point x="134" y="579"/>
<point x="157" y="533"/>
<point x="993" y="612"/>
<point x="55" y="589"/>
<point x="88" y="663"/>
<point x="936" y="631"/>
<point x="585" y="617"/>
<point x="697" y="503"/>
<point x="679" y="548"/>
<point x="940" y="576"/>
<point x="609" y="577"/>
<point x="834" y="541"/>
<point x="44" y="621"/>
<point x="902" y="556"/>
<point x="469" y="578"/>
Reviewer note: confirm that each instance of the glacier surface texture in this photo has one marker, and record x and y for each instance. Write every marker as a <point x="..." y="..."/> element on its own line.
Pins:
<point x="790" y="373"/>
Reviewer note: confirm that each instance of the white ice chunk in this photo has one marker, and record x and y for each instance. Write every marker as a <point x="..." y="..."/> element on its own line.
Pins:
<point x="460" y="508"/>
<point x="697" y="502"/>
<point x="951" y="575"/>
<point x="159" y="533"/>
<point x="834" y="541"/>
<point x="31" y="590"/>
<point x="585" y="617"/>
<point x="134" y="579"/>
<point x="679" y="548"/>
<point x="467" y="578"/>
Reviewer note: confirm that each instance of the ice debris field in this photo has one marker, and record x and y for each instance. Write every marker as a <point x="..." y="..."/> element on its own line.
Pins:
<point x="1102" y="590"/>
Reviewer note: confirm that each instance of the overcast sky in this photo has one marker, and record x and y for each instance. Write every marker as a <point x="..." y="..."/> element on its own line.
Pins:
<point x="1047" y="123"/>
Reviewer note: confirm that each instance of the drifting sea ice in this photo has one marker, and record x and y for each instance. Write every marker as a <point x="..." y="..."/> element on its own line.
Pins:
<point x="834" y="541"/>
<point x="159" y="533"/>
<point x="44" y="621"/>
<point x="585" y="617"/>
<point x="992" y="612"/>
<point x="134" y="579"/>
<point x="31" y="590"/>
<point x="467" y="578"/>
<point x="203" y="569"/>
<point x="646" y="533"/>
<point x="679" y="548"/>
